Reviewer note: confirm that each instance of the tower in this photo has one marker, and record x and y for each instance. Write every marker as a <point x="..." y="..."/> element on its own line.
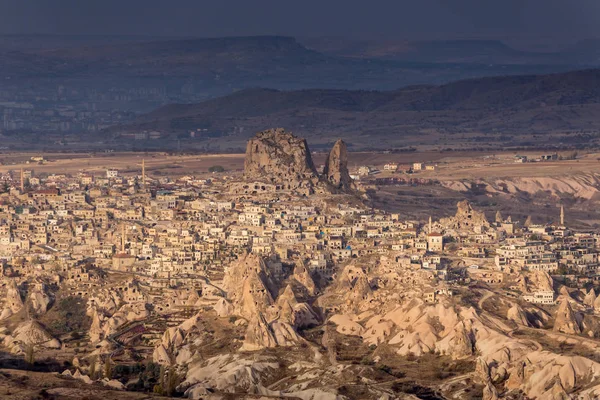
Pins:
<point x="430" y="225"/>
<point x="22" y="181"/>
<point x="123" y="238"/>
<point x="562" y="215"/>
<point x="143" y="172"/>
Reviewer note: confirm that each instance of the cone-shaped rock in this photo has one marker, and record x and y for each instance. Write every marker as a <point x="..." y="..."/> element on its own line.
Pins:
<point x="590" y="298"/>
<point x="597" y="304"/>
<point x="461" y="345"/>
<point x="287" y="297"/>
<point x="258" y="335"/>
<point x="302" y="275"/>
<point x="13" y="297"/>
<point x="516" y="314"/>
<point x="565" y="320"/>
<point x="96" y="333"/>
<point x="499" y="218"/>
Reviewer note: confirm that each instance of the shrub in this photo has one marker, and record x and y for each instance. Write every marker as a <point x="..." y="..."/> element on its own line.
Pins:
<point x="216" y="168"/>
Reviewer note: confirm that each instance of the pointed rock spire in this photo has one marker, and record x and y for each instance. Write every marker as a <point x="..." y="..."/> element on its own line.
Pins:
<point x="597" y="304"/>
<point x="565" y="320"/>
<point x="302" y="275"/>
<point x="336" y="167"/>
<point x="499" y="218"/>
<point x="258" y="335"/>
<point x="287" y="296"/>
<point x="517" y="315"/>
<point x="590" y="298"/>
<point x="96" y="332"/>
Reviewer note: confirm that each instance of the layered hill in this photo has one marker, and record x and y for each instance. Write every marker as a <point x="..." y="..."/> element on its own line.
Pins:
<point x="585" y="52"/>
<point x="511" y="110"/>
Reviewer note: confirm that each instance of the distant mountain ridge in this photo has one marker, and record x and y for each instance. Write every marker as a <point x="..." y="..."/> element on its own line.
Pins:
<point x="514" y="106"/>
<point x="583" y="53"/>
<point x="78" y="86"/>
<point x="217" y="66"/>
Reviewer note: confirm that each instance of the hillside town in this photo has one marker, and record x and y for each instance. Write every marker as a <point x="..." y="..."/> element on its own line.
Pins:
<point x="272" y="254"/>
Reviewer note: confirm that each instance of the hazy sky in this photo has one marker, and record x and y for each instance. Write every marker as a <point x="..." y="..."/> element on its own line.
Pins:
<point x="564" y="19"/>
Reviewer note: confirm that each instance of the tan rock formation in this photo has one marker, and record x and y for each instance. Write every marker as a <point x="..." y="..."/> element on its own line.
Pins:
<point x="362" y="289"/>
<point x="96" y="333"/>
<point x="285" y="335"/>
<point x="255" y="297"/>
<point x="13" y="297"/>
<point x="223" y="308"/>
<point x="597" y="304"/>
<point x="517" y="315"/>
<point x="465" y="219"/>
<point x="303" y="277"/>
<point x="499" y="218"/>
<point x="590" y="298"/>
<point x="32" y="333"/>
<point x="39" y="299"/>
<point x="336" y="167"/>
<point x="258" y="335"/>
<point x="280" y="158"/>
<point x="565" y="320"/>
<point x="287" y="297"/>
<point x="461" y="345"/>
<point x="490" y="392"/>
<point x="238" y="272"/>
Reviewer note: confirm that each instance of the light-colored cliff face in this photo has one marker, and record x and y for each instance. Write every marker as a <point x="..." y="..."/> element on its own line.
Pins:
<point x="582" y="186"/>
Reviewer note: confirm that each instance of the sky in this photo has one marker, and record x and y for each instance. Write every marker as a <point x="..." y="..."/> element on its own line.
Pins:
<point x="396" y="19"/>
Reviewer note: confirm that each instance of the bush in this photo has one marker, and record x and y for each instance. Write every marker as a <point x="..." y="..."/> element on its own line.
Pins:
<point x="216" y="168"/>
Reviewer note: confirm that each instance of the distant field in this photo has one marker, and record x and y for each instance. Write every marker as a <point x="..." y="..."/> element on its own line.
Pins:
<point x="127" y="163"/>
<point x="451" y="165"/>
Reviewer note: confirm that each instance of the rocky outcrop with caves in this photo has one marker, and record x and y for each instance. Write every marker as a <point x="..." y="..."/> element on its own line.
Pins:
<point x="280" y="158"/>
<point x="277" y="160"/>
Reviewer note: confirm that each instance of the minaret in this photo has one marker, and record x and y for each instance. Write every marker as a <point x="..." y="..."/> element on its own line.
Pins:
<point x="430" y="228"/>
<point x="143" y="172"/>
<point x="22" y="181"/>
<point x="562" y="215"/>
<point x="123" y="238"/>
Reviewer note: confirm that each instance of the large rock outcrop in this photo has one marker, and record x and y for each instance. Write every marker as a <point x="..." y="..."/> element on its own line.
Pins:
<point x="279" y="158"/>
<point x="336" y="167"/>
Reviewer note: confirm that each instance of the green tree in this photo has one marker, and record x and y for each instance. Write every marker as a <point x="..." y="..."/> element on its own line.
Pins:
<point x="108" y="368"/>
<point x="30" y="354"/>
<point x="171" y="381"/>
<point x="93" y="366"/>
